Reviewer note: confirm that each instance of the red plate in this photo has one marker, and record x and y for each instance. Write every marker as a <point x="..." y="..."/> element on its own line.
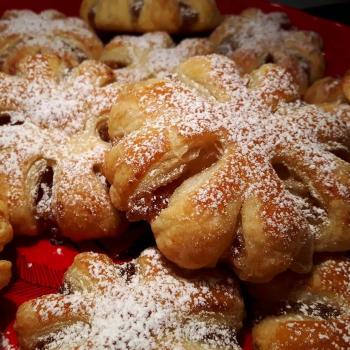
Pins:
<point x="39" y="264"/>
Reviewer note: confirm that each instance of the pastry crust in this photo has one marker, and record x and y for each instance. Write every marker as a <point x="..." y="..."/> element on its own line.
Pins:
<point x="5" y="237"/>
<point x="172" y="16"/>
<point x="303" y="312"/>
<point x="147" y="303"/>
<point x="52" y="142"/>
<point x="254" y="38"/>
<point x="329" y="90"/>
<point x="23" y="32"/>
<point x="138" y="58"/>
<point x="223" y="168"/>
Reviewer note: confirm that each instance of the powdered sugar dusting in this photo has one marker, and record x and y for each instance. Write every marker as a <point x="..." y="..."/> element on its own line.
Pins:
<point x="316" y="312"/>
<point x="257" y="31"/>
<point x="67" y="37"/>
<point x="54" y="121"/>
<point x="150" y="54"/>
<point x="5" y="343"/>
<point x="146" y="304"/>
<point x="247" y="121"/>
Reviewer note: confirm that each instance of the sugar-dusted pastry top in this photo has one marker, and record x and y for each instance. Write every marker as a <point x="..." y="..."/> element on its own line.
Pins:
<point x="144" y="304"/>
<point x="140" y="16"/>
<point x="329" y="90"/>
<point x="224" y="167"/>
<point x="254" y="38"/>
<point x="24" y="32"/>
<point x="52" y="141"/>
<point x="302" y="312"/>
<point x="137" y="58"/>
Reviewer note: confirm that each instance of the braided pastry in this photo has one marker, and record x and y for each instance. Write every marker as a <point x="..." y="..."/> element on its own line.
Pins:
<point x="254" y="38"/>
<point x="145" y="304"/>
<point x="306" y="311"/>
<point x="222" y="169"/>
<point x="5" y="237"/>
<point x="173" y="16"/>
<point x="149" y="55"/>
<point x="329" y="90"/>
<point x="52" y="142"/>
<point x="25" y="32"/>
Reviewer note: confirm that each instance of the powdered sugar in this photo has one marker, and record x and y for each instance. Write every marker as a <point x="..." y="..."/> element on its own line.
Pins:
<point x="67" y="37"/>
<point x="55" y="114"/>
<point x="146" y="305"/>
<point x="150" y="54"/>
<point x="315" y="307"/>
<point x="246" y="122"/>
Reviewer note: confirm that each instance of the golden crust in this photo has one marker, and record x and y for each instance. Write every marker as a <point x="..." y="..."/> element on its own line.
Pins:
<point x="5" y="237"/>
<point x="23" y="32"/>
<point x="147" y="303"/>
<point x="173" y="16"/>
<point x="52" y="143"/>
<point x="304" y="312"/>
<point x="254" y="38"/>
<point x="329" y="90"/>
<point x="138" y="58"/>
<point x="223" y="168"/>
<point x="5" y="273"/>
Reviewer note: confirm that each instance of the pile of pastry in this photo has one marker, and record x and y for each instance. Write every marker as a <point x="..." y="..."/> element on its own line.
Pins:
<point x="230" y="146"/>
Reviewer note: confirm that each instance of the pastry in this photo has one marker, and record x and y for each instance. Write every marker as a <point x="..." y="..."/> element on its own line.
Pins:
<point x="146" y="303"/>
<point x="302" y="312"/>
<point x="24" y="32"/>
<point x="5" y="237"/>
<point x="210" y="158"/>
<point x="329" y="90"/>
<point x="137" y="58"/>
<point x="254" y="38"/>
<point x="52" y="141"/>
<point x="224" y="168"/>
<point x="173" y="16"/>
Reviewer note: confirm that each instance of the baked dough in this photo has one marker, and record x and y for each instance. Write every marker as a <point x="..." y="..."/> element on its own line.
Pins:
<point x="173" y="16"/>
<point x="329" y="90"/>
<point x="52" y="142"/>
<point x="136" y="58"/>
<point x="147" y="304"/>
<point x="224" y="168"/>
<point x="254" y="38"/>
<point x="5" y="237"/>
<point x="24" y="32"/>
<point x="302" y="312"/>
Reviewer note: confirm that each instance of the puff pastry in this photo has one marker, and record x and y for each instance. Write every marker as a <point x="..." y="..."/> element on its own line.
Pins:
<point x="224" y="168"/>
<point x="137" y="58"/>
<point x="303" y="312"/>
<point x="147" y="303"/>
<point x="329" y="90"/>
<point x="5" y="237"/>
<point x="254" y="38"/>
<point x="52" y="142"/>
<point x="173" y="16"/>
<point x="24" y="32"/>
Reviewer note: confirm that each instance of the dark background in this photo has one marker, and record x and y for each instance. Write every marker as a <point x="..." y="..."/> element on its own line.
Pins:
<point x="336" y="10"/>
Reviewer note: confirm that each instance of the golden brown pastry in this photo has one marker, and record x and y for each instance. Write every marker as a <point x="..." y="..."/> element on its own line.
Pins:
<point x="147" y="303"/>
<point x="329" y="90"/>
<point x="173" y="16"/>
<point x="52" y="142"/>
<point x="223" y="168"/>
<point x="254" y="38"/>
<point x="303" y="312"/>
<point x="138" y="58"/>
<point x="24" y="32"/>
<point x="5" y="237"/>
